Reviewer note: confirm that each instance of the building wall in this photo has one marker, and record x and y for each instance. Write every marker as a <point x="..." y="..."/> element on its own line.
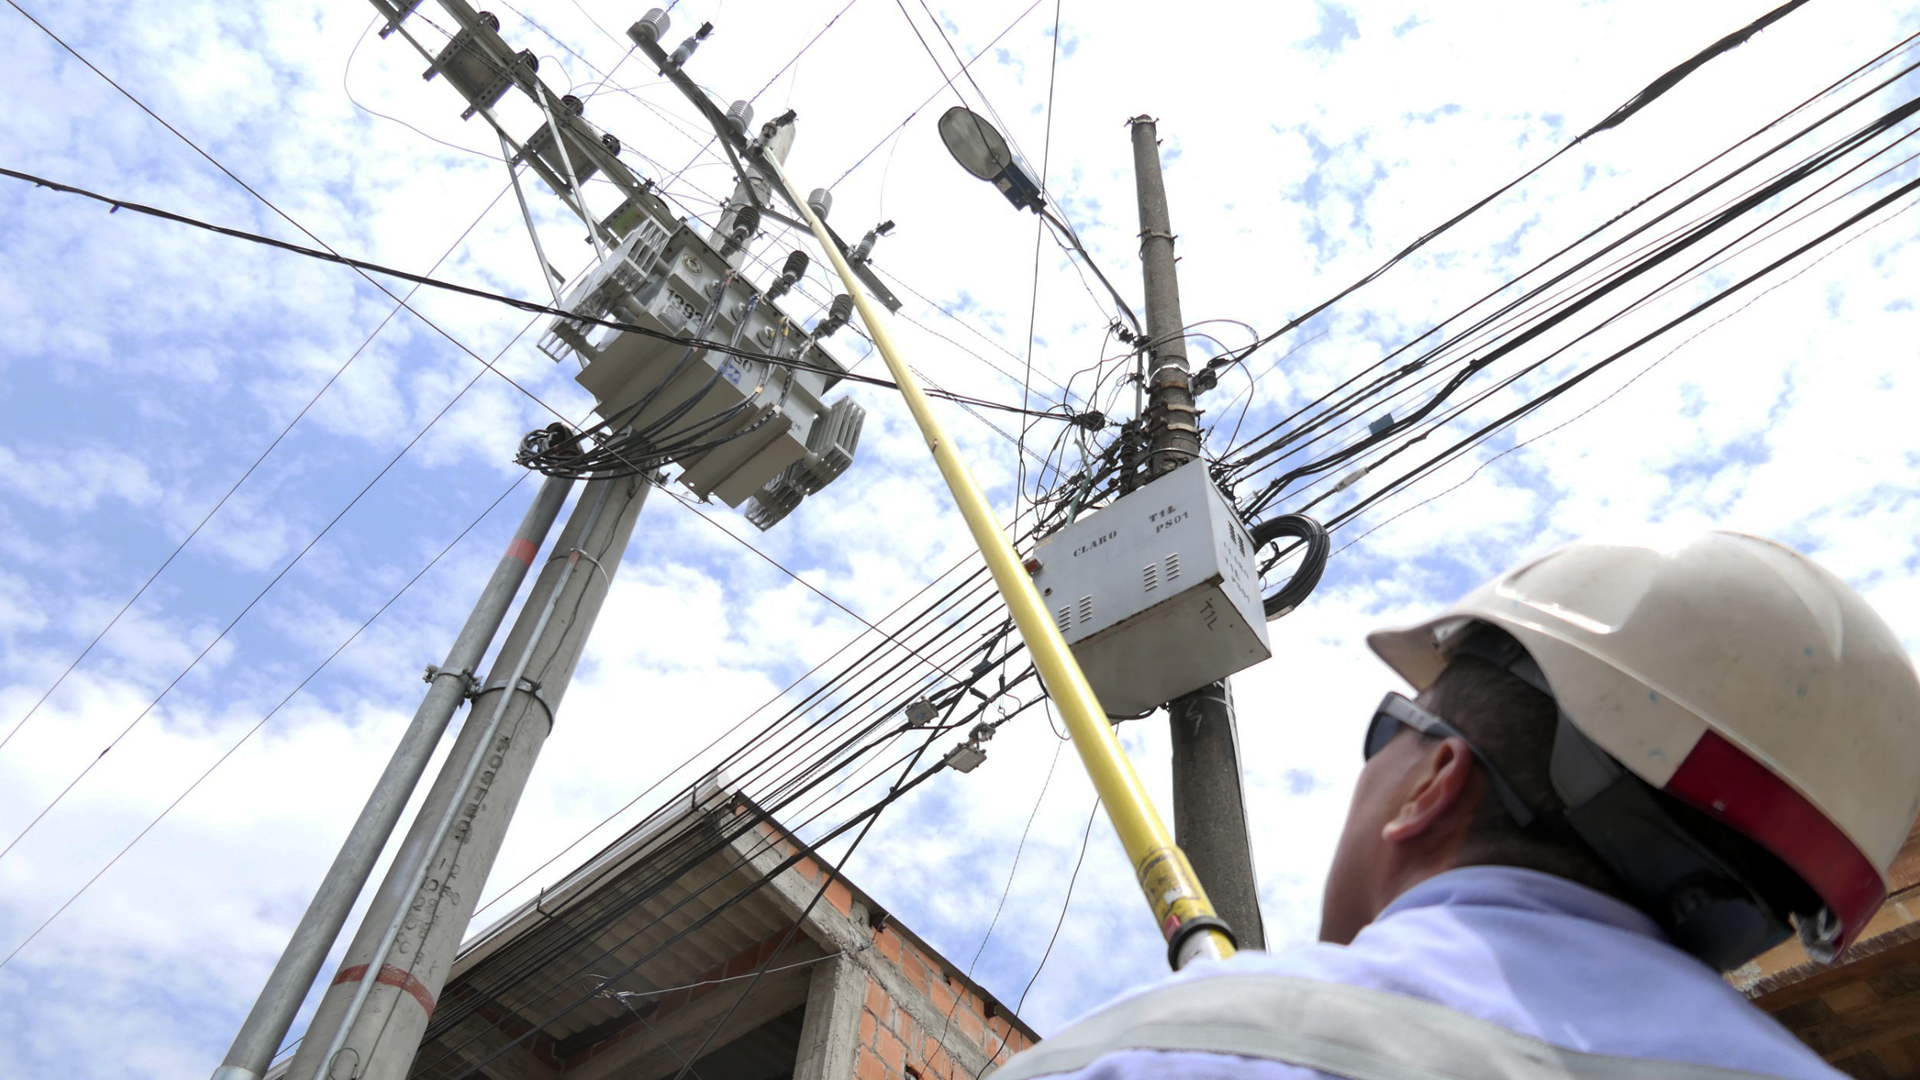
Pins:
<point x="1861" y="1013"/>
<point x="919" y="1017"/>
<point x="897" y="1042"/>
<point x="715" y="971"/>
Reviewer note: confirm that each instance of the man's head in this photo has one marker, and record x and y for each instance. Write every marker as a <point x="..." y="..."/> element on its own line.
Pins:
<point x="1729" y="744"/>
<point x="1424" y="804"/>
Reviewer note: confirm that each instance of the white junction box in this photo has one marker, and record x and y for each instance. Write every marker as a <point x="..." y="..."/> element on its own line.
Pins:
<point x="1157" y="593"/>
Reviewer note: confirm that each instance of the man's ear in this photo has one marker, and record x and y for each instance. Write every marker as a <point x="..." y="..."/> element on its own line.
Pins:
<point x="1439" y="794"/>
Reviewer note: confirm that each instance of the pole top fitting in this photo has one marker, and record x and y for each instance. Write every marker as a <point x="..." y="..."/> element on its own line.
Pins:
<point x="1143" y="118"/>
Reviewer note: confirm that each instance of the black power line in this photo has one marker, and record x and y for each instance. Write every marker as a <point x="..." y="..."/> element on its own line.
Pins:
<point x="1650" y="256"/>
<point x="1613" y="119"/>
<point x="228" y="494"/>
<point x="534" y="307"/>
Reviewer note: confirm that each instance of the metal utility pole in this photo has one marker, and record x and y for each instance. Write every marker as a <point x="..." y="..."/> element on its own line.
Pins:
<point x="371" y="1017"/>
<point x="369" y="1024"/>
<point x="1209" y="805"/>
<point x="259" y="1038"/>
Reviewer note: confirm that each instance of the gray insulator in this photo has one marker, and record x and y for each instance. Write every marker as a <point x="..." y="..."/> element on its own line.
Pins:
<point x="651" y="27"/>
<point x="837" y="315"/>
<point x="820" y="202"/>
<point x="740" y="118"/>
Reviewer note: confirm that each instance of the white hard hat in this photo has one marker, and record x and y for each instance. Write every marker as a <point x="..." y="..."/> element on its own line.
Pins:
<point x="1733" y="674"/>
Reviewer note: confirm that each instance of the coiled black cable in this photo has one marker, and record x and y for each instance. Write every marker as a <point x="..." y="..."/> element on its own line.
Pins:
<point x="1312" y="564"/>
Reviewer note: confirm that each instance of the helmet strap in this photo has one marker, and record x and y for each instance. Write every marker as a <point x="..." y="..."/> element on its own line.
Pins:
<point x="1706" y="906"/>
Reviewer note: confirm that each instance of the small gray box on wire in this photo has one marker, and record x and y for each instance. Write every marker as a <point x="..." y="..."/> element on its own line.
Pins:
<point x="1157" y="593"/>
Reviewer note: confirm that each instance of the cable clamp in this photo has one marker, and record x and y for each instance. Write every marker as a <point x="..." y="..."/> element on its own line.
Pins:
<point x="528" y="687"/>
<point x="1155" y="234"/>
<point x="434" y="671"/>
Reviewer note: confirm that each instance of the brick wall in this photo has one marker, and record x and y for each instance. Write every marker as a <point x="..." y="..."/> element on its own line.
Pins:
<point x="894" y="1046"/>
<point x="942" y="1030"/>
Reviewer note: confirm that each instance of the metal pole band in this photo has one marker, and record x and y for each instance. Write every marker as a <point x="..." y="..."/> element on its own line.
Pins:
<point x="527" y="687"/>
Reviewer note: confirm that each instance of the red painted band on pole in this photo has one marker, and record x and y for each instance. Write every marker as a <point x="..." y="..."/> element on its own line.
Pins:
<point x="524" y="550"/>
<point x="391" y="976"/>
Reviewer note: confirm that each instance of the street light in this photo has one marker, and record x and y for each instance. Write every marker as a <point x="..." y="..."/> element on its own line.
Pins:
<point x="984" y="152"/>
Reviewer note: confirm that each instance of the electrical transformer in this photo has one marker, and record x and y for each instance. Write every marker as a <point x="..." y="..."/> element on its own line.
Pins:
<point x="1157" y="593"/>
<point x="763" y="430"/>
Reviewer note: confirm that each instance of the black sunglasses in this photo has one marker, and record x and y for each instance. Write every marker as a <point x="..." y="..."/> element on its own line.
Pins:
<point x="1396" y="712"/>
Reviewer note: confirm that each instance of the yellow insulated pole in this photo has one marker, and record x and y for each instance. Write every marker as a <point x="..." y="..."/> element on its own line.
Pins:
<point x="1180" y="906"/>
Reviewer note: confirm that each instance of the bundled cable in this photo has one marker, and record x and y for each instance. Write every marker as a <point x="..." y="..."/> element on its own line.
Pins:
<point x="1312" y="563"/>
<point x="1709" y="239"/>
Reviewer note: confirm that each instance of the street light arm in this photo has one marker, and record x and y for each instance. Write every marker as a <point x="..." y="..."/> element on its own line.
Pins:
<point x="1060" y="225"/>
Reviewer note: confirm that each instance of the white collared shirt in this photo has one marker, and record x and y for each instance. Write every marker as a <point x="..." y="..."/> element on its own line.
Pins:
<point x="1534" y="953"/>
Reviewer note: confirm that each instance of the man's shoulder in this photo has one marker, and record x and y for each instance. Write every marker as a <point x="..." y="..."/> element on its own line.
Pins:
<point x="1572" y="982"/>
<point x="1240" y="1024"/>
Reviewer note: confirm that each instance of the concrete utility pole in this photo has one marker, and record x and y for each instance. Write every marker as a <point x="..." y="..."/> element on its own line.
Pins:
<point x="749" y="191"/>
<point x="1209" y="805"/>
<point x="369" y="1024"/>
<point x="259" y="1037"/>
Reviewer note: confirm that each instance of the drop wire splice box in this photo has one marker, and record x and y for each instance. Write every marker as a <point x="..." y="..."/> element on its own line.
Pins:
<point x="1157" y="593"/>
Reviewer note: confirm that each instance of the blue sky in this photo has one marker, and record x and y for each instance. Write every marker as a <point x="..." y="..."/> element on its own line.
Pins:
<point x="147" y="366"/>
